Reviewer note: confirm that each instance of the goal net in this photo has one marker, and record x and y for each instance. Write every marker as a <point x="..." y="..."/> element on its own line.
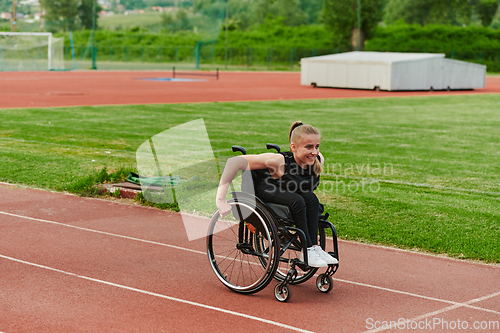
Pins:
<point x="31" y="51"/>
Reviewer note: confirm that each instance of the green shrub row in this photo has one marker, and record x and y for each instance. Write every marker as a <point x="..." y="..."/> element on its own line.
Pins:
<point x="474" y="44"/>
<point x="273" y="35"/>
<point x="305" y="37"/>
<point x="134" y="37"/>
<point x="278" y="43"/>
<point x="431" y="38"/>
<point x="434" y="38"/>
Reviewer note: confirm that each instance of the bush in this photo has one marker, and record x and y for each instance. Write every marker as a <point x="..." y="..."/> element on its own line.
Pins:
<point x="133" y="38"/>
<point x="274" y="34"/>
<point x="434" y="38"/>
<point x="473" y="44"/>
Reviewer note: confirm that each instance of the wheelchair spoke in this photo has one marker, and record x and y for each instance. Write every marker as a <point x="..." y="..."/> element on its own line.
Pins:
<point x="239" y="252"/>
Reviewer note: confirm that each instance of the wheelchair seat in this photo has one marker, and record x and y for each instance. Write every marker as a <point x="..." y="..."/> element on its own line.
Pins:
<point x="281" y="211"/>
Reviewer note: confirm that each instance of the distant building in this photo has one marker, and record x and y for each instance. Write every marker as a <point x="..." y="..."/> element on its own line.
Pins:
<point x="103" y="3"/>
<point x="6" y="16"/>
<point x="29" y="2"/>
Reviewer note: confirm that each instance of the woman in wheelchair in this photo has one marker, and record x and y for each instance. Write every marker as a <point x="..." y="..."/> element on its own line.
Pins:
<point x="290" y="180"/>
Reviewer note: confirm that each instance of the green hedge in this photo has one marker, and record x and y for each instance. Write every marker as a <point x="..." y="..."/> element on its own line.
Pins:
<point x="305" y="37"/>
<point x="134" y="37"/>
<point x="474" y="44"/>
<point x="273" y="44"/>
<point x="276" y="43"/>
<point x="434" y="38"/>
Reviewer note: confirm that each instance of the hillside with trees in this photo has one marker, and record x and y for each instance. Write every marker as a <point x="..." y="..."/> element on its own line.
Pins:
<point x="465" y="29"/>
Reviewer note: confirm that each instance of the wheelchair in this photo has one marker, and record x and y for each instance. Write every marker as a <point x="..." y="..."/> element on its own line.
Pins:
<point x="258" y="242"/>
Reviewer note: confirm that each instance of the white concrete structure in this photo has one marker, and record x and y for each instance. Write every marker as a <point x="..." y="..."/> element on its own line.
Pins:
<point x="391" y="71"/>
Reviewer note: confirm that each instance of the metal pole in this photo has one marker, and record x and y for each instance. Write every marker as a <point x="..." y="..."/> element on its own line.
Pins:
<point x="72" y="49"/>
<point x="227" y="33"/>
<point x="41" y="15"/>
<point x="49" y="55"/>
<point x="359" y="25"/>
<point x="197" y="58"/>
<point x="94" y="66"/>
<point x="14" y="15"/>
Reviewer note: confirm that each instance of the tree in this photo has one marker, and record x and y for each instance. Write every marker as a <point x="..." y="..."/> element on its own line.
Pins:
<point x="86" y="13"/>
<point x="62" y="13"/>
<point x="241" y="13"/>
<point x="290" y="10"/>
<point x="262" y="10"/>
<point x="133" y="4"/>
<point x="5" y="5"/>
<point x="424" y="12"/>
<point x="487" y="10"/>
<point x="312" y="10"/>
<point x="199" y="5"/>
<point x="340" y="16"/>
<point x="176" y="22"/>
<point x="454" y="12"/>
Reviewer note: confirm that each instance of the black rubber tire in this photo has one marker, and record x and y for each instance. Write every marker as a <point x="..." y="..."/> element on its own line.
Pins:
<point x="238" y="270"/>
<point x="324" y="283"/>
<point x="282" y="292"/>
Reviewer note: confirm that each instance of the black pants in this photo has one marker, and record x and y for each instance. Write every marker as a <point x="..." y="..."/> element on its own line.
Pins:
<point x="304" y="208"/>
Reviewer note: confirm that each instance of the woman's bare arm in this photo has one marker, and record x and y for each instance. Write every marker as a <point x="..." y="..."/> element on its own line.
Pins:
<point x="270" y="161"/>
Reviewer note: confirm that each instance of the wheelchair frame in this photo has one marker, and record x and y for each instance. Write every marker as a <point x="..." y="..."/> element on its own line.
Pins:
<point x="260" y="243"/>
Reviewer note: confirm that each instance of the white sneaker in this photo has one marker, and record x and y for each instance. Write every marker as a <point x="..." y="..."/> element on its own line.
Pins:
<point x="313" y="258"/>
<point x="325" y="256"/>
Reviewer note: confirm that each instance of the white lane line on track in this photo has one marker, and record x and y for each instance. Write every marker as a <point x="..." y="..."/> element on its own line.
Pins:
<point x="461" y="304"/>
<point x="443" y="310"/>
<point x="466" y="304"/>
<point x="175" y="299"/>
<point x="103" y="232"/>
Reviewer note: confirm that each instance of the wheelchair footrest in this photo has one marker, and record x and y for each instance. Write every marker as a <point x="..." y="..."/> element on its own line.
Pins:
<point x="332" y="269"/>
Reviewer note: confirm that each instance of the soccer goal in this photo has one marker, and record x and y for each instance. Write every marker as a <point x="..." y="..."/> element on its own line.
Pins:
<point x="31" y="51"/>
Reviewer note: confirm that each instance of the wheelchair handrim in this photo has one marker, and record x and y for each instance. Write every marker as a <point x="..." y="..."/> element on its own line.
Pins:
<point x="257" y="285"/>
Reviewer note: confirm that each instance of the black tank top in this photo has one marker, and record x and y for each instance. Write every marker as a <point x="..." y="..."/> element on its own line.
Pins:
<point x="295" y="179"/>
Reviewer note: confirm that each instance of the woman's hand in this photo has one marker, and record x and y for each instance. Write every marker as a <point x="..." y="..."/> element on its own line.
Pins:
<point x="223" y="207"/>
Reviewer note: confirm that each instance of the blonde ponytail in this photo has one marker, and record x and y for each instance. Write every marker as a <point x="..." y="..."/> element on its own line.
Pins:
<point x="318" y="168"/>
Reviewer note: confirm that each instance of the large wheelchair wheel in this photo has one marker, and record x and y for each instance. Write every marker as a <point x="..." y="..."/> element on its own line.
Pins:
<point x="238" y="262"/>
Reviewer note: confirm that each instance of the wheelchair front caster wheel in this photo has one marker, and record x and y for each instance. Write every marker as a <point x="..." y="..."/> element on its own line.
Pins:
<point x="324" y="283"/>
<point x="282" y="292"/>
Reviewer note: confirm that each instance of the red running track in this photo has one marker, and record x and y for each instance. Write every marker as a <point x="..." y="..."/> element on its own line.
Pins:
<point x="71" y="264"/>
<point x="43" y="89"/>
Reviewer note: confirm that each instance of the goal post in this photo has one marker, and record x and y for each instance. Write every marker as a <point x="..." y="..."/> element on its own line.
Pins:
<point x="31" y="51"/>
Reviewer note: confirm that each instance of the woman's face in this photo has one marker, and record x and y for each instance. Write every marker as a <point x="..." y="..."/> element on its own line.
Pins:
<point x="306" y="150"/>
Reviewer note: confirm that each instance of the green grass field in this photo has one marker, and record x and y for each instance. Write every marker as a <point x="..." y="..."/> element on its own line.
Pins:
<point x="418" y="173"/>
